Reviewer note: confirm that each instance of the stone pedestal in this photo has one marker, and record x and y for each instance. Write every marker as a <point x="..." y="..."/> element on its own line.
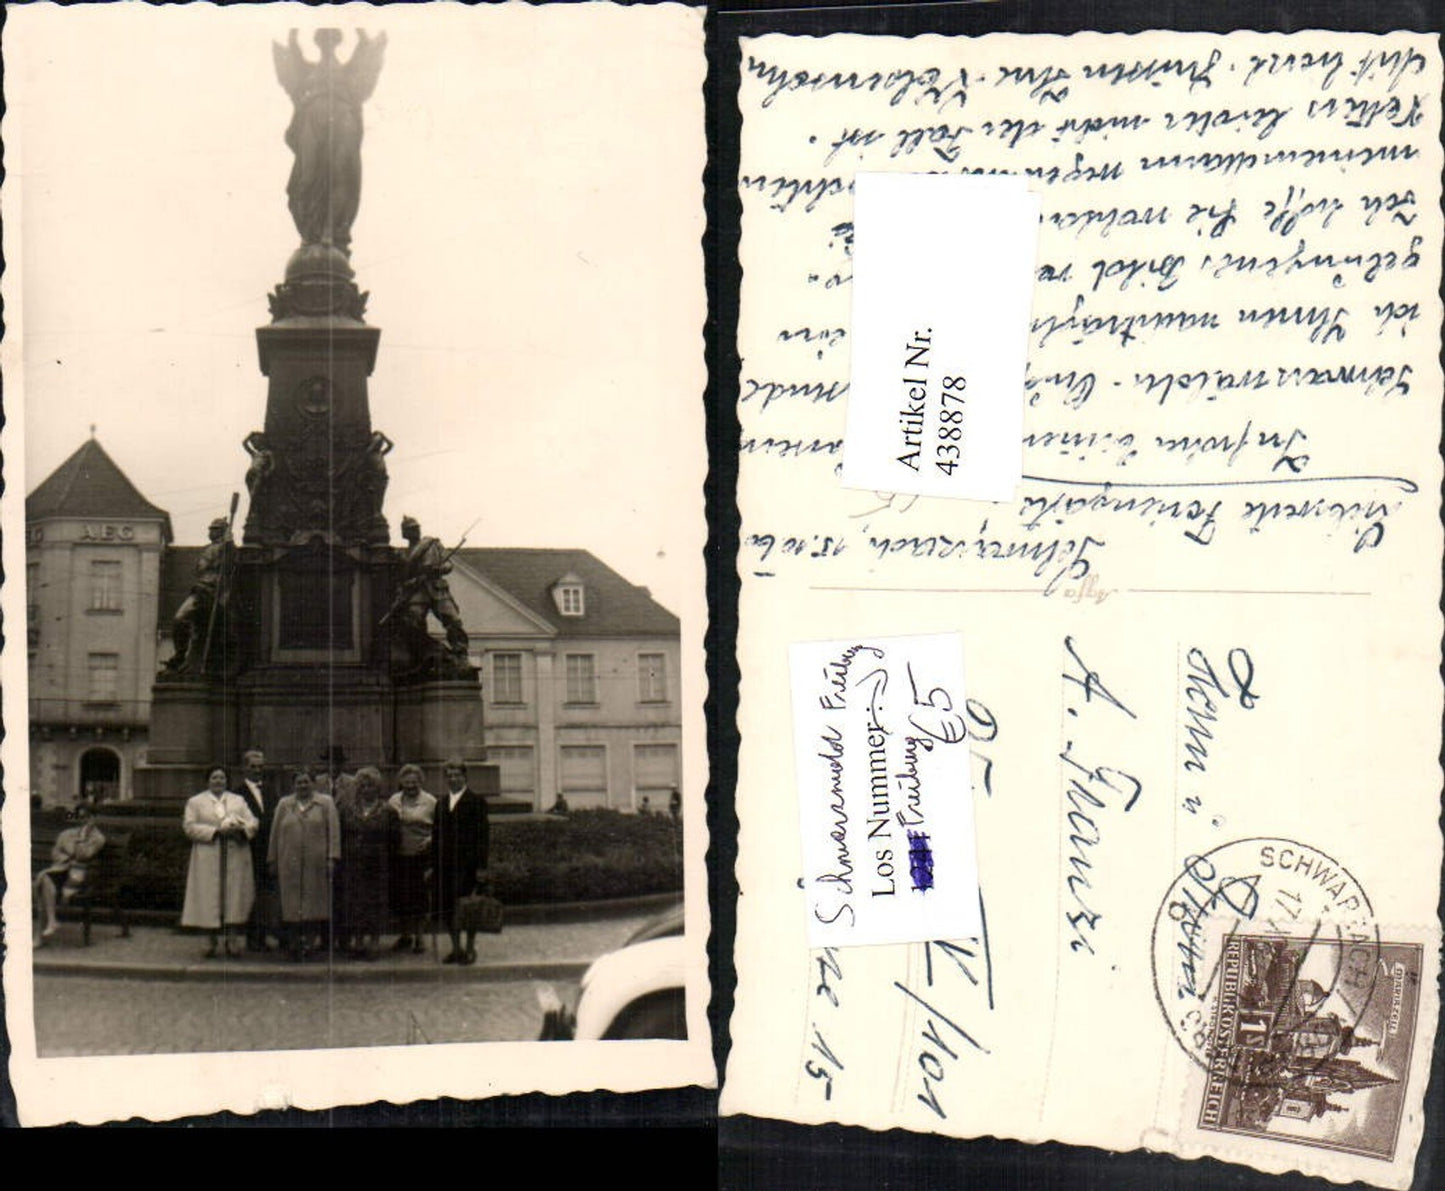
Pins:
<point x="192" y="723"/>
<point x="440" y="719"/>
<point x="317" y="467"/>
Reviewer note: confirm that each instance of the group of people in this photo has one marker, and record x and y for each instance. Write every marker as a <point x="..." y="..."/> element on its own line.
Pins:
<point x="329" y="865"/>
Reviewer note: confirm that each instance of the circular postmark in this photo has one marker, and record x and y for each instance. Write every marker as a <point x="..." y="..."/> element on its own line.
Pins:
<point x="1265" y="954"/>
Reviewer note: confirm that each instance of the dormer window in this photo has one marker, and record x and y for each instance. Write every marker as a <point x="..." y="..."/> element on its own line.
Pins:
<point x="568" y="594"/>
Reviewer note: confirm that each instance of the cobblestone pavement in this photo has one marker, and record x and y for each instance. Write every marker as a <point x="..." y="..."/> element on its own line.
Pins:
<point x="79" y="1015"/>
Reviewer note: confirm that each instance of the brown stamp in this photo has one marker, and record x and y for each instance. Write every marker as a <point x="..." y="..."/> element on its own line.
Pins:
<point x="1292" y="1059"/>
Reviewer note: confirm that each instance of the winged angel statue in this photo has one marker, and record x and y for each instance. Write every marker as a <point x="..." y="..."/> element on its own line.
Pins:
<point x="325" y="132"/>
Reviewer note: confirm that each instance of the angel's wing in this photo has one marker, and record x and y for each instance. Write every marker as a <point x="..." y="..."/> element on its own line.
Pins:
<point x="291" y="65"/>
<point x="365" y="65"/>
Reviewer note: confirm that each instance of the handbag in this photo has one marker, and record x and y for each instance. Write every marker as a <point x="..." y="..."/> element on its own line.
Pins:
<point x="479" y="912"/>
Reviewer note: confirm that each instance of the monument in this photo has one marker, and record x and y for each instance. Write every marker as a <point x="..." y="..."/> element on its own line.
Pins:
<point x="313" y="631"/>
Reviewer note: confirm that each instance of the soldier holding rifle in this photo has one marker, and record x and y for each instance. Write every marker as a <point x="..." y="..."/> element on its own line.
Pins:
<point x="197" y="612"/>
<point x="424" y="589"/>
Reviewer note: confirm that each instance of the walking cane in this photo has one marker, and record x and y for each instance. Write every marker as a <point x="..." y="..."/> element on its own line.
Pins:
<point x="301" y="912"/>
<point x="221" y="839"/>
<point x="433" y="897"/>
<point x="331" y="888"/>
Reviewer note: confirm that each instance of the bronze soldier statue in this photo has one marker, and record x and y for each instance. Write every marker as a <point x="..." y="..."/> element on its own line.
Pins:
<point x="424" y="589"/>
<point x="194" y="614"/>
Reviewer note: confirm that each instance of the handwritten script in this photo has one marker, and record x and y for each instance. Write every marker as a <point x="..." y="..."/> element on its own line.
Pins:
<point x="881" y="728"/>
<point x="1236" y="228"/>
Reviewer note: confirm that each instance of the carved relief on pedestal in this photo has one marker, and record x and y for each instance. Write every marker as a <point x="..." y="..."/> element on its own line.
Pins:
<point x="315" y="483"/>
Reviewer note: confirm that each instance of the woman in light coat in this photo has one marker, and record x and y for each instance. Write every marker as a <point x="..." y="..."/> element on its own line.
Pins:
<point x="220" y="887"/>
<point x="305" y="846"/>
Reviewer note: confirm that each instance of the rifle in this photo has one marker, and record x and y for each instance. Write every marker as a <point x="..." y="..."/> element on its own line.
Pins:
<point x="221" y="592"/>
<point x="410" y="585"/>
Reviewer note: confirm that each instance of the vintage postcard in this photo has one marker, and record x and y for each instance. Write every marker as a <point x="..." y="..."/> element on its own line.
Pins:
<point x="1201" y="643"/>
<point x="353" y="512"/>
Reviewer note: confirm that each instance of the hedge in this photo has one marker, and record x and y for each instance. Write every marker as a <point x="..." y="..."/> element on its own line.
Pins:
<point x="584" y="856"/>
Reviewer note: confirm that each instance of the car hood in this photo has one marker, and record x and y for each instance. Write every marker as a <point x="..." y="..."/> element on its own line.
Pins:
<point x="622" y="976"/>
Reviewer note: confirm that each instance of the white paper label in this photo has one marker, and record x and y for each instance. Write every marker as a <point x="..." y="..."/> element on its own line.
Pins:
<point x="943" y="269"/>
<point x="880" y="729"/>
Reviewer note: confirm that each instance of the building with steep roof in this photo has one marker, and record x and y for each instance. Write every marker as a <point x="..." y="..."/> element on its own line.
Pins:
<point x="89" y="485"/>
<point x="580" y="668"/>
<point x="93" y="549"/>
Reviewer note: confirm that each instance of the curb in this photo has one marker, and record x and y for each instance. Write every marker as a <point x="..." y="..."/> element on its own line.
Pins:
<point x="520" y="915"/>
<point x="349" y="973"/>
<point x="265" y="969"/>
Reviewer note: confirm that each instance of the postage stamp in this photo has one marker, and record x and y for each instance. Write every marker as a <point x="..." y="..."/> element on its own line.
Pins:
<point x="1263" y="886"/>
<point x="1293" y="1058"/>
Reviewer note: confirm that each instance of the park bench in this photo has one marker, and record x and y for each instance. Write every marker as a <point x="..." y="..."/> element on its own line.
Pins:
<point x="107" y="880"/>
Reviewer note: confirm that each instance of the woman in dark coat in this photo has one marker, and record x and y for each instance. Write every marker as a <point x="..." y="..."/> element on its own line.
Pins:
<point x="370" y="834"/>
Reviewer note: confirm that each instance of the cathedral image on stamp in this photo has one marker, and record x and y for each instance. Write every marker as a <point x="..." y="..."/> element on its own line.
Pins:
<point x="1310" y="1041"/>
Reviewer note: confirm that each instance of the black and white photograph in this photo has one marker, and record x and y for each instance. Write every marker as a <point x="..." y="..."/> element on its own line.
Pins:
<point x="354" y="448"/>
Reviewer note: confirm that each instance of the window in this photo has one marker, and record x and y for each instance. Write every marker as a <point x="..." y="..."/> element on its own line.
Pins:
<point x="518" y="768"/>
<point x="104" y="586"/>
<point x="568" y="596"/>
<point x="581" y="678"/>
<point x="104" y="674"/>
<point x="654" y="775"/>
<point x="652" y="677"/>
<point x="32" y="604"/>
<point x="507" y="678"/>
<point x="583" y="775"/>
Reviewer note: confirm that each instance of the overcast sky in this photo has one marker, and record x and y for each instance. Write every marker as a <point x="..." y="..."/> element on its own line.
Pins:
<point x="530" y="225"/>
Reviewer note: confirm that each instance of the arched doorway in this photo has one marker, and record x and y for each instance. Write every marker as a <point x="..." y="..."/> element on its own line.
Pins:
<point x="100" y="775"/>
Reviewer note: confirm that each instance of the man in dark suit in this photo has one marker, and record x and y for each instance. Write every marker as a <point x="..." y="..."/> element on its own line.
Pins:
<point x="460" y="839"/>
<point x="262" y="799"/>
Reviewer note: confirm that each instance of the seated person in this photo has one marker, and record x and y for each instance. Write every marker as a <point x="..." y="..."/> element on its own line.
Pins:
<point x="75" y="848"/>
